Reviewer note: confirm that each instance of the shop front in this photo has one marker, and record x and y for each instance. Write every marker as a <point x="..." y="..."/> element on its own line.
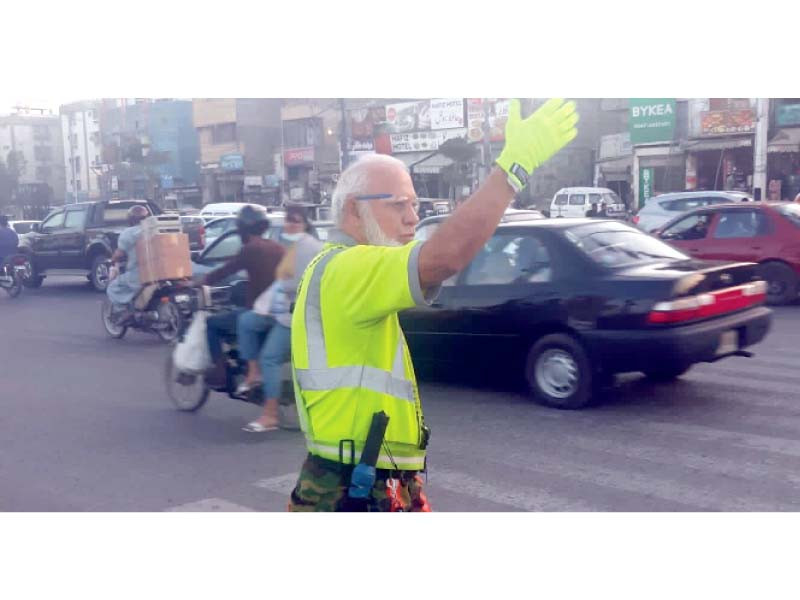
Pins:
<point x="783" y="150"/>
<point x="657" y="169"/>
<point x="614" y="165"/>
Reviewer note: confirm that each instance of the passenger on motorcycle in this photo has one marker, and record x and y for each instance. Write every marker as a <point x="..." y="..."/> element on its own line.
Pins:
<point x="122" y="289"/>
<point x="260" y="258"/>
<point x="9" y="240"/>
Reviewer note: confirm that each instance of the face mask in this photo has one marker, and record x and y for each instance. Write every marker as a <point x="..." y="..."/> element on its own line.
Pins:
<point x="291" y="237"/>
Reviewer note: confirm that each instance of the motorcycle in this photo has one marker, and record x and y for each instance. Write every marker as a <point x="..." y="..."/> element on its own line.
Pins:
<point x="165" y="311"/>
<point x="189" y="391"/>
<point x="12" y="273"/>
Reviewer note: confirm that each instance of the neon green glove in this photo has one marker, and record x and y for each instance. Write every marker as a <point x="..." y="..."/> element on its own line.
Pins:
<point x="532" y="141"/>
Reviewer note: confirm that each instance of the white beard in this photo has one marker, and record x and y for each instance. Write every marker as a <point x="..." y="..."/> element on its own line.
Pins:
<point x="372" y="231"/>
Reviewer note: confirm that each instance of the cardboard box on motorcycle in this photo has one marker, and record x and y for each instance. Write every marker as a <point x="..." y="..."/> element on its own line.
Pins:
<point x="163" y="256"/>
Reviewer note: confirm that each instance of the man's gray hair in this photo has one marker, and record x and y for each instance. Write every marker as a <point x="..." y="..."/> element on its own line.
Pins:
<point x="355" y="180"/>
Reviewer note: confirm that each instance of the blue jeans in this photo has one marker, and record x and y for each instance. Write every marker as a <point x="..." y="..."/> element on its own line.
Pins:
<point x="250" y="330"/>
<point x="276" y="351"/>
<point x="219" y="326"/>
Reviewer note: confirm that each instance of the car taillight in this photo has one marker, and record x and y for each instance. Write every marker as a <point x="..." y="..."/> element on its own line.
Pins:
<point x="202" y="236"/>
<point x="708" y="305"/>
<point x="635" y="219"/>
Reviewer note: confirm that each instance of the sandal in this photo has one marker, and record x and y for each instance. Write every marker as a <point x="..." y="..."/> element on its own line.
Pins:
<point x="256" y="427"/>
<point x="245" y="387"/>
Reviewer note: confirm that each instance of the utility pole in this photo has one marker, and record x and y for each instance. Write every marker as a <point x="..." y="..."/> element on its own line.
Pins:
<point x="760" y="149"/>
<point x="344" y="141"/>
<point x="486" y="148"/>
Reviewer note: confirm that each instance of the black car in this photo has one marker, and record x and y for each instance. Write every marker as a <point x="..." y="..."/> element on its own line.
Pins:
<point x="567" y="303"/>
<point x="78" y="239"/>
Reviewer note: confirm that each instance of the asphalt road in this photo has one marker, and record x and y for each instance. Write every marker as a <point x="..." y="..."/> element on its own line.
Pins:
<point x="86" y="426"/>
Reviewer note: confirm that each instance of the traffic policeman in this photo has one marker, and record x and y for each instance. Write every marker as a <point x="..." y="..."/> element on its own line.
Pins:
<point x="349" y="357"/>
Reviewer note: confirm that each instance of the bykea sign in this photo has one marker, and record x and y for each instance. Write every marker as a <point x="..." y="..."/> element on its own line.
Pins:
<point x="652" y="120"/>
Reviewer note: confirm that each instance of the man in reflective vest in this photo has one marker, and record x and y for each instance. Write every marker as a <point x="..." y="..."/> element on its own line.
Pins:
<point x="349" y="356"/>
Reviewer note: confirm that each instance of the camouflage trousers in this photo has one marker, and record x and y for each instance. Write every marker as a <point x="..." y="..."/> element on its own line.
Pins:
<point x="322" y="487"/>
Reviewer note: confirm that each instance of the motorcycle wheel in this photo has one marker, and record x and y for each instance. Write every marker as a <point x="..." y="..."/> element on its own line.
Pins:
<point x="15" y="288"/>
<point x="113" y="329"/>
<point x="169" y="315"/>
<point x="188" y="391"/>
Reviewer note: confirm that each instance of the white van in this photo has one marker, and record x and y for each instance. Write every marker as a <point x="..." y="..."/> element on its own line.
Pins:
<point x="577" y="201"/>
<point x="226" y="209"/>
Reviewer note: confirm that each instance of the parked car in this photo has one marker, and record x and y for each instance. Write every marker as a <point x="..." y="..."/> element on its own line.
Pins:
<point x="77" y="239"/>
<point x="22" y="227"/>
<point x="575" y="202"/>
<point x="661" y="209"/>
<point x="563" y="304"/>
<point x="766" y="233"/>
<point x="429" y="207"/>
<point x="194" y="227"/>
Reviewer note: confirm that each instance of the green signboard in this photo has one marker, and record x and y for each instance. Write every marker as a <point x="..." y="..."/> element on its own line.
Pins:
<point x="788" y="114"/>
<point x="652" y="120"/>
<point x="646" y="176"/>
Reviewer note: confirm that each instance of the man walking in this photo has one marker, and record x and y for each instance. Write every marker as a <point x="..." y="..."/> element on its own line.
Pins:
<point x="349" y="356"/>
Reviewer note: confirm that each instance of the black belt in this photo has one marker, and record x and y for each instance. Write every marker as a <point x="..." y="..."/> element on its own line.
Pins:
<point x="346" y="470"/>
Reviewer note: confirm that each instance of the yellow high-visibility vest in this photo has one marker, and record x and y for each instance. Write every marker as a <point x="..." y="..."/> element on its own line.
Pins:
<point x="349" y="356"/>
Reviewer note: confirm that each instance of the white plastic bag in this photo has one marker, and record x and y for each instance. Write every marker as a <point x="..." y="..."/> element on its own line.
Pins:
<point x="192" y="354"/>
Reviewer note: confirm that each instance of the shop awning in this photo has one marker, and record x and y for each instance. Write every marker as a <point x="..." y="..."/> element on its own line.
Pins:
<point x="786" y="140"/>
<point x="432" y="165"/>
<point x="616" y="165"/>
<point x="723" y="143"/>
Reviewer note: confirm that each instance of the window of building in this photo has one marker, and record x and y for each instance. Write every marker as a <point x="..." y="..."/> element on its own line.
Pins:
<point x="302" y="133"/>
<point x="43" y="153"/>
<point x="224" y="133"/>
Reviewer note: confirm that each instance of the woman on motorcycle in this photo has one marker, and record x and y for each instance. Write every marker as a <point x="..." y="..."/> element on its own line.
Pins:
<point x="272" y="313"/>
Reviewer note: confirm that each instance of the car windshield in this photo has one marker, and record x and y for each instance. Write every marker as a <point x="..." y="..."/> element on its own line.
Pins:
<point x="561" y="199"/>
<point x="790" y="212"/>
<point x="621" y="246"/>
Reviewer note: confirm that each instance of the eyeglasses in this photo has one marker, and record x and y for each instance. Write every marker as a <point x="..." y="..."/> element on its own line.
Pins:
<point x="399" y="203"/>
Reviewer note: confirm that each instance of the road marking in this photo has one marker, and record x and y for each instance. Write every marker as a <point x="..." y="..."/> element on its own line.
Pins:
<point x="282" y="484"/>
<point x="523" y="498"/>
<point x="211" y="505"/>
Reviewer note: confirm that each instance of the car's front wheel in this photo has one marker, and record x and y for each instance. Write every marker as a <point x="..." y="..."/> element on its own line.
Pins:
<point x="559" y="372"/>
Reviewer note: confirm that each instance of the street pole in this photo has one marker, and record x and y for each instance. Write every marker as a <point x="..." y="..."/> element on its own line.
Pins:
<point x="760" y="149"/>
<point x="486" y="148"/>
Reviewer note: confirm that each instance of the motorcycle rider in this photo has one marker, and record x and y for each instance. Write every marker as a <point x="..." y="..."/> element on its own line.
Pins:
<point x="9" y="240"/>
<point x="260" y="258"/>
<point x="122" y="289"/>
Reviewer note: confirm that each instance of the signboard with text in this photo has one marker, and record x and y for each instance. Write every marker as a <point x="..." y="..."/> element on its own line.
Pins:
<point x="231" y="162"/>
<point x="652" y="120"/>
<point x="725" y="122"/>
<point x="298" y="156"/>
<point x="423" y="141"/>
<point x="788" y="115"/>
<point x="646" y="176"/>
<point x="447" y="113"/>
<point x="498" y="115"/>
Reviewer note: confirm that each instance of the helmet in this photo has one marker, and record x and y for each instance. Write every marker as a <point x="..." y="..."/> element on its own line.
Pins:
<point x="251" y="221"/>
<point x="136" y="214"/>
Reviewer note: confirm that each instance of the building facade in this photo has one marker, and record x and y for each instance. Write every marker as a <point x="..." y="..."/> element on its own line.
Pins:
<point x="238" y="143"/>
<point x="35" y="142"/>
<point x="83" y="149"/>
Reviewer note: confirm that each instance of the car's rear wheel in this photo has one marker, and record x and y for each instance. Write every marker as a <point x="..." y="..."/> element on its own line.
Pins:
<point x="782" y="282"/>
<point x="667" y="372"/>
<point x="559" y="372"/>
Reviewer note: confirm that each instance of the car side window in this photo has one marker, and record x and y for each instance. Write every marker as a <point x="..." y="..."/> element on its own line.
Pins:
<point x="509" y="259"/>
<point x="693" y="227"/>
<point x="226" y="248"/>
<point x="75" y="219"/>
<point x="577" y="199"/>
<point x="561" y="200"/>
<point x="52" y="222"/>
<point x="741" y="224"/>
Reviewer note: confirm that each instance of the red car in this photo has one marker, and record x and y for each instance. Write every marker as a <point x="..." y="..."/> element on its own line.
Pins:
<point x="767" y="233"/>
